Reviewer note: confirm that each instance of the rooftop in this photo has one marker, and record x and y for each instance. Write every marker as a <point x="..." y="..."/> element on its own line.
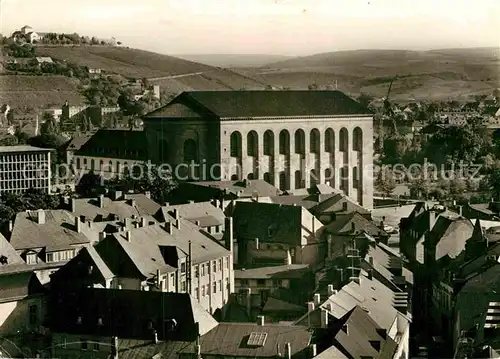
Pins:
<point x="273" y="272"/>
<point x="232" y="339"/>
<point x="122" y="144"/>
<point x="254" y="104"/>
<point x="23" y="148"/>
<point x="56" y="233"/>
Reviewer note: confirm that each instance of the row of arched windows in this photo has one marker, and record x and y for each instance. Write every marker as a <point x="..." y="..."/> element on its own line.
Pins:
<point x="299" y="142"/>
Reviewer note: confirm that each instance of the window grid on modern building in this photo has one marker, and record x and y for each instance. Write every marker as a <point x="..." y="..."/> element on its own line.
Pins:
<point x="24" y="169"/>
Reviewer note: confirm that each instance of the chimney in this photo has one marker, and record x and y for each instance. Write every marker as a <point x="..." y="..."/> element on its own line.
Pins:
<point x="370" y="260"/>
<point x="198" y="223"/>
<point x="256" y="243"/>
<point x="168" y="227"/>
<point x="288" y="260"/>
<point x="229" y="237"/>
<point x="260" y="320"/>
<point x="324" y="319"/>
<point x="144" y="222"/>
<point x="317" y="299"/>
<point x="132" y="202"/>
<point x="175" y="213"/>
<point x="178" y="224"/>
<point x="40" y="216"/>
<point x="11" y="226"/>
<point x="128" y="236"/>
<point x="102" y="235"/>
<point x="310" y="307"/>
<point x="128" y="222"/>
<point x="158" y="276"/>
<point x="100" y="201"/>
<point x="288" y="351"/>
<point x="114" y="347"/>
<point x="248" y="301"/>
<point x="72" y="205"/>
<point x="331" y="291"/>
<point x="147" y="194"/>
<point x="314" y="350"/>
<point x="460" y="210"/>
<point x="78" y="225"/>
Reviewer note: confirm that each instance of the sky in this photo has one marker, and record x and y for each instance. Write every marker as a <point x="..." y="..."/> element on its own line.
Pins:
<point x="281" y="27"/>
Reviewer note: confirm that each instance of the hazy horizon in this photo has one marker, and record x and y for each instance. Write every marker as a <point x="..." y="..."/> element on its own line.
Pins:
<point x="265" y="27"/>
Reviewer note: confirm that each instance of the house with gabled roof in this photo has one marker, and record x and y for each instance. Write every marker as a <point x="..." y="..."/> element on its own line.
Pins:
<point x="21" y="293"/>
<point x="175" y="256"/>
<point x="48" y="239"/>
<point x="270" y="234"/>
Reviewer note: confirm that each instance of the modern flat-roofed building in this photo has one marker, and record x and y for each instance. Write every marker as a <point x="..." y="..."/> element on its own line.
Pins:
<point x="24" y="167"/>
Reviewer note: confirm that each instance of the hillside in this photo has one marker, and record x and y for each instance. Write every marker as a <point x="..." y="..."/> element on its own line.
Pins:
<point x="234" y="60"/>
<point x="23" y="92"/>
<point x="437" y="74"/>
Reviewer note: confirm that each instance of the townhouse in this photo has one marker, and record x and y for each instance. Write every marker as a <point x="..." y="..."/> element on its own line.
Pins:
<point x="48" y="239"/>
<point x="388" y="308"/>
<point x="111" y="323"/>
<point x="271" y="234"/>
<point x="174" y="256"/>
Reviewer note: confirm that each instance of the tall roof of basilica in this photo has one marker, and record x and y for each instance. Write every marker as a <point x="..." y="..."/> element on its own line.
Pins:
<point x="255" y="104"/>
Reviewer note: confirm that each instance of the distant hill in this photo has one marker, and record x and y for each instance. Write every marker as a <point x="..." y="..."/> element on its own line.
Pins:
<point x="437" y="74"/>
<point x="20" y="91"/>
<point x="172" y="74"/>
<point x="234" y="60"/>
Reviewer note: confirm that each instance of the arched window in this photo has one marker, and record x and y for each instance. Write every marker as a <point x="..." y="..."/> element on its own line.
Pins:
<point x="329" y="140"/>
<point x="234" y="177"/>
<point x="328" y="174"/>
<point x="118" y="167"/>
<point x="78" y="163"/>
<point x="344" y="140"/>
<point x="314" y="139"/>
<point x="190" y="151"/>
<point x="235" y="144"/>
<point x="269" y="143"/>
<point x="344" y="178"/>
<point x="284" y="142"/>
<point x="283" y="182"/>
<point x="101" y="165"/>
<point x="355" y="177"/>
<point x="252" y="144"/>
<point x="110" y="166"/>
<point x="92" y="165"/>
<point x="267" y="177"/>
<point x="313" y="179"/>
<point x="300" y="141"/>
<point x="357" y="139"/>
<point x="299" y="180"/>
<point x="250" y="176"/>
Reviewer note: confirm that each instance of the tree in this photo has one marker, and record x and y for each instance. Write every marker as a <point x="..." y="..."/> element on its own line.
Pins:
<point x="493" y="183"/>
<point x="49" y="126"/>
<point x="90" y="185"/>
<point x="385" y="182"/>
<point x="145" y="177"/>
<point x="9" y="140"/>
<point x="420" y="187"/>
